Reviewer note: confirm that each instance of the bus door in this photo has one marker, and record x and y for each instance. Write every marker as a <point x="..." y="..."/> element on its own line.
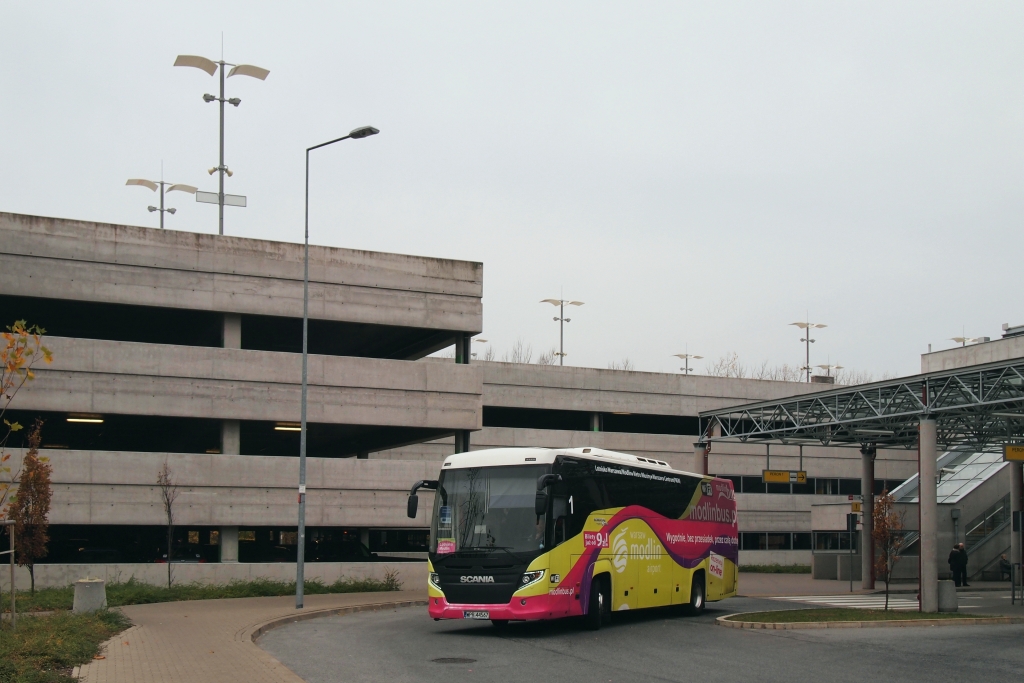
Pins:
<point x="625" y="568"/>
<point x="559" y="558"/>
<point x="654" y="567"/>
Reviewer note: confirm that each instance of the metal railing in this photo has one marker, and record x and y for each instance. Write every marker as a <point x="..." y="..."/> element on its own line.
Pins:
<point x="987" y="523"/>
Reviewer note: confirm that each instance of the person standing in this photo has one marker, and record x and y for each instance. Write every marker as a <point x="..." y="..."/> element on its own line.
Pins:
<point x="963" y="565"/>
<point x="1004" y="567"/>
<point x="954" y="563"/>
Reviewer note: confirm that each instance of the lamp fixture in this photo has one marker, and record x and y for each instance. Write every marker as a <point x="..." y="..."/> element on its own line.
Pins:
<point x="163" y="188"/>
<point x="210" y="66"/>
<point x="85" y="418"/>
<point x="287" y="427"/>
<point x="561" y="320"/>
<point x="806" y="339"/>
<point x="686" y="360"/>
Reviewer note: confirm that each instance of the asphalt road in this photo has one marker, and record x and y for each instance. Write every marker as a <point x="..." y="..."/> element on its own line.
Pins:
<point x="402" y="645"/>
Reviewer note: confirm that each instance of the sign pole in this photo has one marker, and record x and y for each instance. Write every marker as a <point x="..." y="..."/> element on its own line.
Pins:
<point x="851" y="527"/>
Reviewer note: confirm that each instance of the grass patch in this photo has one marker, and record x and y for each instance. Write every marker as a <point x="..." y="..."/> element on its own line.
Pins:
<point x="775" y="568"/>
<point x="45" y="649"/>
<point x="132" y="592"/>
<point x="793" y="616"/>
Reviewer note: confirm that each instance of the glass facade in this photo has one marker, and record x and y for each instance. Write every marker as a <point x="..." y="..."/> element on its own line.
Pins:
<point x="775" y="540"/>
<point x="820" y="486"/>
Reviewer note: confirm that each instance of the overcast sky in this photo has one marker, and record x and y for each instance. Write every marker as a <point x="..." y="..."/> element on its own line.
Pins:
<point x="700" y="174"/>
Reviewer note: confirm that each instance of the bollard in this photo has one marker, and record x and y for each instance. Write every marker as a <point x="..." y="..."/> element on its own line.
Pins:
<point x="90" y="595"/>
<point x="947" y="596"/>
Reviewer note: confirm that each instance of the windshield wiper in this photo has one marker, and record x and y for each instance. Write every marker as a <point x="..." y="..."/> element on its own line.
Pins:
<point x="506" y="548"/>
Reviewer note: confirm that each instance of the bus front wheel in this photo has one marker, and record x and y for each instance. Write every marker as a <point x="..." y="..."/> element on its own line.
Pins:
<point x="599" y="609"/>
<point x="697" y="596"/>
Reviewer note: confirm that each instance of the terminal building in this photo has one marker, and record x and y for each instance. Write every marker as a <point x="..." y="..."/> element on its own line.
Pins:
<point x="185" y="349"/>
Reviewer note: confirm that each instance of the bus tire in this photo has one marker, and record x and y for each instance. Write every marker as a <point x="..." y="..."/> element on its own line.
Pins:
<point x="698" y="595"/>
<point x="599" y="609"/>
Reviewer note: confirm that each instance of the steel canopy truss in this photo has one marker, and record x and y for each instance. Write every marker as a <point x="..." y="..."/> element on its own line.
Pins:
<point x="980" y="406"/>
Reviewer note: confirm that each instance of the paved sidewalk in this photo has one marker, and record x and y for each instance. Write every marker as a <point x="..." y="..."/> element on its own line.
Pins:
<point x="211" y="640"/>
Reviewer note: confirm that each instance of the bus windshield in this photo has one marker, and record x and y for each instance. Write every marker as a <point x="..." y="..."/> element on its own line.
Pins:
<point x="484" y="508"/>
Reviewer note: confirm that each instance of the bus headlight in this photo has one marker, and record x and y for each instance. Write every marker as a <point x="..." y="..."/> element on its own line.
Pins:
<point x="435" y="580"/>
<point x="530" y="578"/>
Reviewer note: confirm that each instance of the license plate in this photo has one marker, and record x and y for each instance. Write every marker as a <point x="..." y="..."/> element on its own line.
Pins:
<point x="476" y="615"/>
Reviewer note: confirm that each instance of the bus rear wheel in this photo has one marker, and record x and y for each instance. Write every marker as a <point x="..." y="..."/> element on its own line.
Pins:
<point x="599" y="610"/>
<point x="697" y="596"/>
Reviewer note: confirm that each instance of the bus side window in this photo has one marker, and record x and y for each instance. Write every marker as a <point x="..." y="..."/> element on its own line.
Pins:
<point x="587" y="496"/>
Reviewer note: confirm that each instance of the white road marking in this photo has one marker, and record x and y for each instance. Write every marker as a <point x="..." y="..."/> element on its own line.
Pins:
<point x="854" y="601"/>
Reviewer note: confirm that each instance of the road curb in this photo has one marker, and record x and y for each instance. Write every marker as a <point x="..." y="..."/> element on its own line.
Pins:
<point x="774" y="626"/>
<point x="253" y="633"/>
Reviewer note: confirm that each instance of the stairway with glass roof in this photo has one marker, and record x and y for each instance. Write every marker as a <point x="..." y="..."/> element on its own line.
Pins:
<point x="986" y="535"/>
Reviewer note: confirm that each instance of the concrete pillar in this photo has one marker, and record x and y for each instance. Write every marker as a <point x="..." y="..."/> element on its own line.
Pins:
<point x="230" y="437"/>
<point x="232" y="331"/>
<point x="698" y="458"/>
<point x="929" y="517"/>
<point x="595" y="422"/>
<point x="867" y="543"/>
<point x="229" y="544"/>
<point x="1016" y="491"/>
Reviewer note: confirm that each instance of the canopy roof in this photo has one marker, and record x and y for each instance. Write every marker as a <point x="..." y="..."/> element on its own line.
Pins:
<point x="980" y="405"/>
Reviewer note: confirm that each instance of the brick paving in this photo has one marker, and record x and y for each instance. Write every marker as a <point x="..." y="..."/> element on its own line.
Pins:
<point x="211" y="640"/>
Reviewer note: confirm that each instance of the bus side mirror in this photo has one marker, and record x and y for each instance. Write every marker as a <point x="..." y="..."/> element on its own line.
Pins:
<point x="412" y="505"/>
<point x="540" y="503"/>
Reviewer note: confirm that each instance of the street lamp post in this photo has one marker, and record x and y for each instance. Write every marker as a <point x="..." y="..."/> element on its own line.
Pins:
<point x="162" y="186"/>
<point x="300" y="568"/>
<point x="807" y="327"/>
<point x="210" y="67"/>
<point x="686" y="358"/>
<point x="561" y="319"/>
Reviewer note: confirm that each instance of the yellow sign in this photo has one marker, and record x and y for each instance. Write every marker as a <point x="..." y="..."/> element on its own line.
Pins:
<point x="1015" y="453"/>
<point x="856" y="507"/>
<point x="783" y="477"/>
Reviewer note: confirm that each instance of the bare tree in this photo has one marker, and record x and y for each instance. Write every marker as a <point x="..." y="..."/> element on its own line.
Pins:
<point x="777" y="373"/>
<point x="626" y="364"/>
<point x="728" y="365"/>
<point x="521" y="353"/>
<point x="489" y="354"/>
<point x="548" y="357"/>
<point x="169" y="494"/>
<point x="847" y="376"/>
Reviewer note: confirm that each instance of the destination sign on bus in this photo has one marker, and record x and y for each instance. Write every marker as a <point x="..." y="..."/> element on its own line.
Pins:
<point x="783" y="477"/>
